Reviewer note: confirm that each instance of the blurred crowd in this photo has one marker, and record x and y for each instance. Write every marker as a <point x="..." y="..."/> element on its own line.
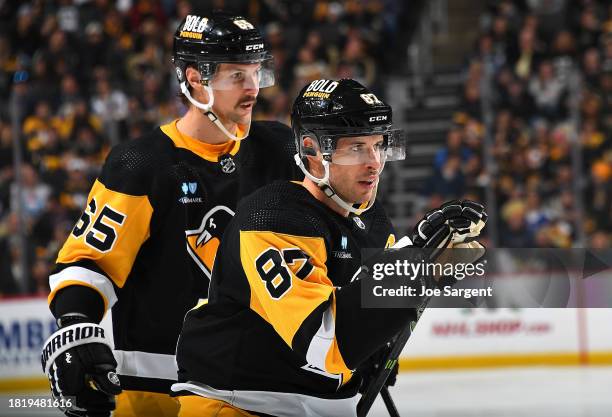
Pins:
<point x="543" y="71"/>
<point x="86" y="75"/>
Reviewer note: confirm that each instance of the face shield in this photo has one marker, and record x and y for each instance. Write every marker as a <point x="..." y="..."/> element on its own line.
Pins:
<point x="350" y="150"/>
<point x="363" y="149"/>
<point x="240" y="75"/>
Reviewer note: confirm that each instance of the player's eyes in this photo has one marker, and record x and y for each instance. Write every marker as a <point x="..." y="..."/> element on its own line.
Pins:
<point x="237" y="76"/>
<point x="360" y="148"/>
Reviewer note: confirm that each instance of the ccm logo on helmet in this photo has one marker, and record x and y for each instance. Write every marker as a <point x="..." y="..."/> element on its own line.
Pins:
<point x="255" y="47"/>
<point x="378" y="118"/>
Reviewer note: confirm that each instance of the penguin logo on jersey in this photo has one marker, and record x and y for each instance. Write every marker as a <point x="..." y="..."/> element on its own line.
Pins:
<point x="203" y="242"/>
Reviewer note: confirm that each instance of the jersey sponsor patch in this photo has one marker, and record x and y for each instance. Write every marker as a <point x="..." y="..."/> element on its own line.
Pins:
<point x="189" y="190"/>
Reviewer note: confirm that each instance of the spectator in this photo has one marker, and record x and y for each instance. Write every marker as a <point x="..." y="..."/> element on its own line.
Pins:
<point x="61" y="54"/>
<point x="68" y="16"/>
<point x="110" y="105"/>
<point x="33" y="192"/>
<point x="591" y="67"/>
<point x="563" y="56"/>
<point x="589" y="28"/>
<point x="7" y="67"/>
<point x="454" y="147"/>
<point x="355" y="60"/>
<point x="600" y="240"/>
<point x="527" y="56"/>
<point x="514" y="231"/>
<point x="25" y="37"/>
<point x="519" y="101"/>
<point x="599" y="194"/>
<point x="308" y="67"/>
<point x="449" y="180"/>
<point x="8" y="229"/>
<point x="548" y="92"/>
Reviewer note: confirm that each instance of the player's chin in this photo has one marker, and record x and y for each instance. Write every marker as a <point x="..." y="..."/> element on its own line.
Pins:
<point x="243" y="118"/>
<point x="363" y="197"/>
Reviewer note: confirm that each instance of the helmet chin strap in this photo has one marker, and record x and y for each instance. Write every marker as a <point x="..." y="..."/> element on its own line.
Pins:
<point x="207" y="109"/>
<point x="326" y="187"/>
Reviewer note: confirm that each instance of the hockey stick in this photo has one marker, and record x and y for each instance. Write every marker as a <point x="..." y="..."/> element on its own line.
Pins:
<point x="386" y="396"/>
<point x="378" y="382"/>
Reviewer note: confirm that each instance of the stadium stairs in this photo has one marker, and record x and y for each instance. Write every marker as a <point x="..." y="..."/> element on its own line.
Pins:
<point x="426" y="115"/>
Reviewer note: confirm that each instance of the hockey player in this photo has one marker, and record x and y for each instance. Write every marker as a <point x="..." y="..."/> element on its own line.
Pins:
<point x="283" y="329"/>
<point x="146" y="241"/>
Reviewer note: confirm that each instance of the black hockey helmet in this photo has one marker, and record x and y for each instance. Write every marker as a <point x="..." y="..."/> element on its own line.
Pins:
<point x="206" y="41"/>
<point x="326" y="110"/>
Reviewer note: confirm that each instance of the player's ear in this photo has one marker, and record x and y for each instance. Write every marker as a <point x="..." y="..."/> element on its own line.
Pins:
<point x="194" y="80"/>
<point x="313" y="155"/>
<point x="193" y="77"/>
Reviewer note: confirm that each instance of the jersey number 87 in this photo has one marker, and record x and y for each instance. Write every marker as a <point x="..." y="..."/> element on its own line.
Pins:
<point x="271" y="265"/>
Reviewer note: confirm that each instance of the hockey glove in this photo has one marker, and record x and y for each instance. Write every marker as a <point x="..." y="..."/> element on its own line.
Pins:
<point x="456" y="224"/>
<point x="456" y="221"/>
<point x="80" y="366"/>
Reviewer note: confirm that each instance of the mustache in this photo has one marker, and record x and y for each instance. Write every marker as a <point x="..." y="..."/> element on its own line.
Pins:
<point x="247" y="100"/>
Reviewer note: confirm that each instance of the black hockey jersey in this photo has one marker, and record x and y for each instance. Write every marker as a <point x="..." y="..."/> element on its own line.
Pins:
<point x="269" y="331"/>
<point x="147" y="240"/>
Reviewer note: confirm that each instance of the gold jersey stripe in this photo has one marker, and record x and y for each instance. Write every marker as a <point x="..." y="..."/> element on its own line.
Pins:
<point x="287" y="312"/>
<point x="130" y="234"/>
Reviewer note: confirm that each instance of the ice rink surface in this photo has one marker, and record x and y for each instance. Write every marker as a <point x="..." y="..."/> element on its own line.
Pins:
<point x="510" y="392"/>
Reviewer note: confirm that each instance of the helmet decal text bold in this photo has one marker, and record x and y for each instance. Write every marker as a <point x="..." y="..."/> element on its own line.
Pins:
<point x="193" y="27"/>
<point x="320" y="88"/>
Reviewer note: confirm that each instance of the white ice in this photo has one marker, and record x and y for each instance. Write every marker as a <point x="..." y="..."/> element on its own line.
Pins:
<point x="510" y="392"/>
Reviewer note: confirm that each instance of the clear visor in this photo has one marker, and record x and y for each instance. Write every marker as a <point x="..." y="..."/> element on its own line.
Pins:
<point x="243" y="76"/>
<point x="362" y="149"/>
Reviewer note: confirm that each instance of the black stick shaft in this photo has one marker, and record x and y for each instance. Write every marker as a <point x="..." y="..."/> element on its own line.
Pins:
<point x="386" y="396"/>
<point x="377" y="383"/>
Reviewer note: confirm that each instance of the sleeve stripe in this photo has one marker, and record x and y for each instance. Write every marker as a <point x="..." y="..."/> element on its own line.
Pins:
<point x="146" y="365"/>
<point x="77" y="274"/>
<point x="322" y="340"/>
